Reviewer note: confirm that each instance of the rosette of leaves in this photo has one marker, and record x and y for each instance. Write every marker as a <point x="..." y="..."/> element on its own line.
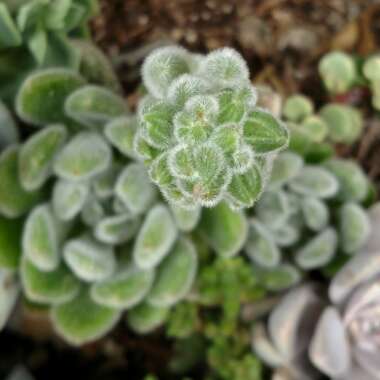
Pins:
<point x="312" y="132"/>
<point x="311" y="216"/>
<point x="200" y="133"/>
<point x="81" y="224"/>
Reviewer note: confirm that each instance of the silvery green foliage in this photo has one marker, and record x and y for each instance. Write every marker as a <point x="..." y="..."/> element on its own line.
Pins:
<point x="311" y="336"/>
<point x="311" y="130"/>
<point x="200" y="132"/>
<point x="371" y="71"/>
<point x="82" y="224"/>
<point x="309" y="215"/>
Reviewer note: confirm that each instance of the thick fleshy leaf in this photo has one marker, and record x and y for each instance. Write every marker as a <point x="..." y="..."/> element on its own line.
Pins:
<point x="9" y="34"/>
<point x="9" y="290"/>
<point x="315" y="213"/>
<point x="353" y="184"/>
<point x="186" y="220"/>
<point x="8" y="129"/>
<point x="41" y="98"/>
<point x="316" y="128"/>
<point x="316" y="182"/>
<point x="354" y="227"/>
<point x="53" y="287"/>
<point x="184" y="88"/>
<point x="261" y="247"/>
<point x="227" y="138"/>
<point x="135" y="188"/>
<point x="264" y="133"/>
<point x="162" y="67"/>
<point x="175" y="275"/>
<point x="330" y="348"/>
<point x="14" y="200"/>
<point x="297" y="108"/>
<point x="318" y="251"/>
<point x="84" y="157"/>
<point x="181" y="163"/>
<point x="117" y="229"/>
<point x="126" y="289"/>
<point x="145" y="318"/>
<point x="272" y="209"/>
<point x="89" y="259"/>
<point x="224" y="229"/>
<point x="155" y="238"/>
<point x="94" y="106"/>
<point x="92" y="212"/>
<point x="286" y="166"/>
<point x="40" y="240"/>
<point x="81" y="320"/>
<point x="10" y="242"/>
<point x="279" y="278"/>
<point x="287" y="234"/>
<point x="244" y="189"/>
<point x="37" y="154"/>
<point x="104" y="184"/>
<point x="120" y="132"/>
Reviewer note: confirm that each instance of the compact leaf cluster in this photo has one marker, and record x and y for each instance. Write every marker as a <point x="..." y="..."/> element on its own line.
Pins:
<point x="310" y="216"/>
<point x="200" y="133"/>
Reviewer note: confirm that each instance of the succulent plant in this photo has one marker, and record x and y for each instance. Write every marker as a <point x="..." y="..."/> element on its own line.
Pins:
<point x="371" y="71"/>
<point x="310" y="216"/>
<point x="199" y="131"/>
<point x="307" y="337"/>
<point x="90" y="237"/>
<point x="311" y="132"/>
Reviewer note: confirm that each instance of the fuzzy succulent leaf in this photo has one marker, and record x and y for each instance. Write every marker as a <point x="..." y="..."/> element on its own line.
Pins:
<point x="81" y="320"/>
<point x="317" y="130"/>
<point x="10" y="242"/>
<point x="48" y="287"/>
<point x="120" y="132"/>
<point x="9" y="34"/>
<point x="94" y="106"/>
<point x="318" y="251"/>
<point x="316" y="182"/>
<point x="260" y="246"/>
<point x="37" y="154"/>
<point x="40" y="240"/>
<point x="42" y="95"/>
<point x="145" y="318"/>
<point x="126" y="289"/>
<point x="14" y="200"/>
<point x="92" y="212"/>
<point x="354" y="227"/>
<point x="224" y="229"/>
<point x="175" y="275"/>
<point x="155" y="238"/>
<point x="9" y="290"/>
<point x="279" y="278"/>
<point x="315" y="213"/>
<point x="135" y="189"/>
<point x="89" y="259"/>
<point x="186" y="220"/>
<point x="86" y="155"/>
<point x="9" y="133"/>
<point x="297" y="108"/>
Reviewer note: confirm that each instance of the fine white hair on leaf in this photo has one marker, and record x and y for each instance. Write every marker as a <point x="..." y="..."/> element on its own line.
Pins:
<point x="208" y="104"/>
<point x="242" y="159"/>
<point x="179" y="152"/>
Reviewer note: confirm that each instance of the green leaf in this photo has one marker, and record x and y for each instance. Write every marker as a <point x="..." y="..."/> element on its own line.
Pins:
<point x="316" y="128"/>
<point x="319" y="251"/>
<point x="69" y="199"/>
<point x="353" y="184"/>
<point x="14" y="200"/>
<point x="186" y="220"/>
<point x="264" y="133"/>
<point x="120" y="132"/>
<point x="145" y="318"/>
<point x="40" y="240"/>
<point x="104" y="184"/>
<point x="285" y="167"/>
<point x="244" y="189"/>
<point x="135" y="188"/>
<point x="92" y="211"/>
<point x="37" y="43"/>
<point x="155" y="239"/>
<point x="10" y="242"/>
<point x="8" y="129"/>
<point x="56" y="13"/>
<point x="227" y="138"/>
<point x="41" y="97"/>
<point x="316" y="182"/>
<point x="117" y="229"/>
<point x="280" y="278"/>
<point x="53" y="287"/>
<point x="9" y="35"/>
<point x="94" y="106"/>
<point x="37" y="155"/>
<point x="260" y="246"/>
<point x="224" y="229"/>
<point x="81" y="320"/>
<point x="126" y="289"/>
<point x="9" y="290"/>
<point x="297" y="108"/>
<point x="315" y="213"/>
<point x="354" y="227"/>
<point x="175" y="275"/>
<point x="89" y="259"/>
<point x="86" y="155"/>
